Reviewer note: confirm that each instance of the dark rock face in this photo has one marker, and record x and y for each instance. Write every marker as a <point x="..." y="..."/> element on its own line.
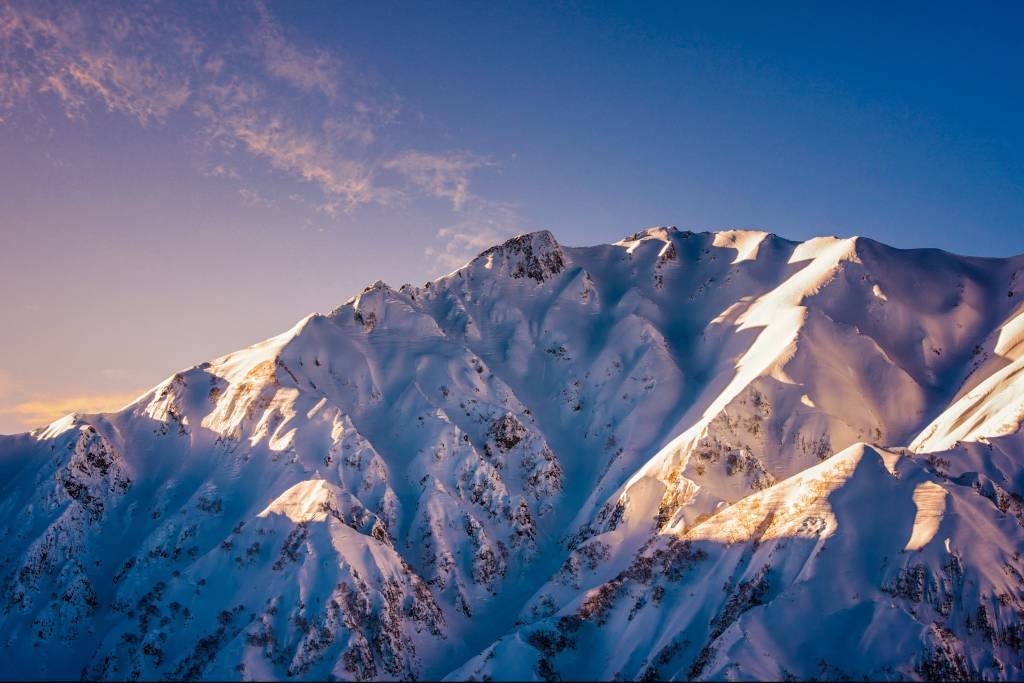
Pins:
<point x="93" y="472"/>
<point x="535" y="255"/>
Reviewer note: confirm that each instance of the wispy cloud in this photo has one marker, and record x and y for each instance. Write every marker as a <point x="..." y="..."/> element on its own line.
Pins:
<point x="253" y="196"/>
<point x="222" y="171"/>
<point x="441" y="175"/>
<point x="134" y="87"/>
<point x="313" y="70"/>
<point x="151" y="60"/>
<point x="236" y="118"/>
<point x="75" y="56"/>
<point x="44" y="410"/>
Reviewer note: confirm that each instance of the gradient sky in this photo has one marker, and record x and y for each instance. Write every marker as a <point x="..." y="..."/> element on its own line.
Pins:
<point x="181" y="180"/>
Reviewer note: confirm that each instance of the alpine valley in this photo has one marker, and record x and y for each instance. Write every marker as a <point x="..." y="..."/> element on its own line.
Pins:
<point x="719" y="455"/>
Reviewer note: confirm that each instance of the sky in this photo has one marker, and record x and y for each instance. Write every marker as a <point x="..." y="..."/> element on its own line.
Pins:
<point x="180" y="180"/>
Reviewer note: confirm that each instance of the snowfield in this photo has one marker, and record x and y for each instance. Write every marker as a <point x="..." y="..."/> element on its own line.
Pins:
<point x="679" y="456"/>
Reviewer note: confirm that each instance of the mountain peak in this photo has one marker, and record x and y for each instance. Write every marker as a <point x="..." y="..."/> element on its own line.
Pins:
<point x="661" y="232"/>
<point x="536" y="255"/>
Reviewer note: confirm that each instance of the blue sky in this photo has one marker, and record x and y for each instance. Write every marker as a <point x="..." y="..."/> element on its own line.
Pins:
<point x="179" y="180"/>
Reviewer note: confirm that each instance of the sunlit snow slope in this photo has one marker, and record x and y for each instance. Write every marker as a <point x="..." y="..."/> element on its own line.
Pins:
<point x="682" y="455"/>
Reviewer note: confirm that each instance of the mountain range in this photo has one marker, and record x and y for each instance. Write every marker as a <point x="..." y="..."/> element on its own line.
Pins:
<point x="715" y="455"/>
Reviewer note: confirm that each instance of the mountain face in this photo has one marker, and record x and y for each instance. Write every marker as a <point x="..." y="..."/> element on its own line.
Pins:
<point x="680" y="456"/>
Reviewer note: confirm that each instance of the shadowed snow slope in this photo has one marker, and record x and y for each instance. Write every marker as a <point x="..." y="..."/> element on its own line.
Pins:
<point x="642" y="459"/>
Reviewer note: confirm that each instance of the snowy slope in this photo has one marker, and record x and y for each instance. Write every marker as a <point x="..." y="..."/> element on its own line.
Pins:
<point x="867" y="564"/>
<point x="654" y="450"/>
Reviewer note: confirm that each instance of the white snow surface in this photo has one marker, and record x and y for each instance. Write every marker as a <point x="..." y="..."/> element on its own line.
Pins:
<point x="679" y="456"/>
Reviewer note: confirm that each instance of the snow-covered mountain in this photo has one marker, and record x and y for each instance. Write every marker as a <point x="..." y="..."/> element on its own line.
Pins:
<point x="682" y="455"/>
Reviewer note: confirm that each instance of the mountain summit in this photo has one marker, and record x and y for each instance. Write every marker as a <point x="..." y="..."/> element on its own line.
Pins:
<point x="679" y="456"/>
